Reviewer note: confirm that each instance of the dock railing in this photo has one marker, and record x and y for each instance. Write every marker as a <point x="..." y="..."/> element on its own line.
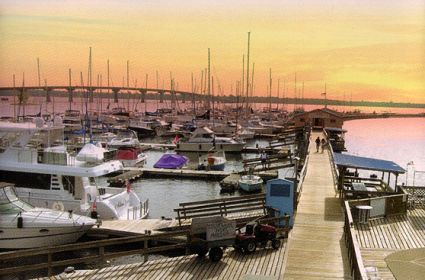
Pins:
<point x="358" y="270"/>
<point x="416" y="196"/>
<point x="93" y="251"/>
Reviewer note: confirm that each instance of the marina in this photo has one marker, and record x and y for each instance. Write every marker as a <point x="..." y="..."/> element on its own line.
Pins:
<point x="183" y="140"/>
<point x="309" y="228"/>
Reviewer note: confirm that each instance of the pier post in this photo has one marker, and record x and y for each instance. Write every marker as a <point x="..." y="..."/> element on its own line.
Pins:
<point x="143" y="95"/>
<point x="115" y="91"/>
<point x="161" y="96"/>
<point x="90" y="93"/>
<point x="48" y="98"/>
<point x="70" y="96"/>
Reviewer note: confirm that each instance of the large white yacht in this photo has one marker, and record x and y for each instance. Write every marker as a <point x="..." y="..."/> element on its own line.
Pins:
<point x="203" y="139"/>
<point x="25" y="226"/>
<point x="33" y="157"/>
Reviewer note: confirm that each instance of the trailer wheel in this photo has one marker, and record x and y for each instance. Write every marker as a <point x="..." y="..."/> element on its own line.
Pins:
<point x="250" y="247"/>
<point x="201" y="252"/>
<point x="275" y="243"/>
<point x="216" y="254"/>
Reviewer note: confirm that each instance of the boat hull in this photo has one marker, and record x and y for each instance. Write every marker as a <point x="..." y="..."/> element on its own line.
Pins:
<point x="247" y="187"/>
<point x="33" y="237"/>
<point x="250" y="183"/>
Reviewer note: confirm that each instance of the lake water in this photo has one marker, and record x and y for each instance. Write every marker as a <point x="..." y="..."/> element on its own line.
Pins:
<point x="395" y="139"/>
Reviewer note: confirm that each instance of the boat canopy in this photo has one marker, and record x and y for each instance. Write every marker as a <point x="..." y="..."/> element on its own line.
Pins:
<point x="350" y="161"/>
<point x="335" y="129"/>
<point x="171" y="161"/>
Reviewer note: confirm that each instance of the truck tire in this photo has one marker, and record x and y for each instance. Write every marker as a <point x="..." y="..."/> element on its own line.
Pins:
<point x="275" y="243"/>
<point x="216" y="254"/>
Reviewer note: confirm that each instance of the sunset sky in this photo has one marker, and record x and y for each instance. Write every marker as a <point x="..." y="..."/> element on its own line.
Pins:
<point x="363" y="50"/>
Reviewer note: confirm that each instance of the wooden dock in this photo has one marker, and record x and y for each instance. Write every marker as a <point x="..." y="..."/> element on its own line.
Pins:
<point x="382" y="237"/>
<point x="315" y="246"/>
<point x="184" y="173"/>
<point x="266" y="263"/>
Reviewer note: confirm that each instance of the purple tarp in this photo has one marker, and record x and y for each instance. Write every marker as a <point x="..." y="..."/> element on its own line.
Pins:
<point x="171" y="161"/>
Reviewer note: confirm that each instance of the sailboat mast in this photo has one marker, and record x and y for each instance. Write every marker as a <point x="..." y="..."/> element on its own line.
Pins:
<point x="270" y="93"/>
<point x="128" y="85"/>
<point x="295" y="90"/>
<point x="247" y="73"/>
<point x="252" y="80"/>
<point x="70" y="91"/>
<point x="209" y="78"/>
<point x="243" y="74"/>
<point x="38" y="71"/>
<point x="278" y="97"/>
<point x="107" y="70"/>
<point x="14" y="98"/>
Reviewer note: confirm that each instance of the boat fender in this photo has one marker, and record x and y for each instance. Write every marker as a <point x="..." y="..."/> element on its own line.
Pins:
<point x="20" y="223"/>
<point x="58" y="206"/>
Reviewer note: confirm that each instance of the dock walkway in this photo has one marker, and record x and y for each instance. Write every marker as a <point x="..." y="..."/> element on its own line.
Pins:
<point x="316" y="248"/>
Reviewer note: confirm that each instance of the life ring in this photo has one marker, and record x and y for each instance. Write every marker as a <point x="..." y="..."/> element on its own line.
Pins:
<point x="57" y="205"/>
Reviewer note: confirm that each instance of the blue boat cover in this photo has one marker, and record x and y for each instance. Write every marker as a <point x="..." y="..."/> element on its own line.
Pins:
<point x="171" y="161"/>
<point x="367" y="163"/>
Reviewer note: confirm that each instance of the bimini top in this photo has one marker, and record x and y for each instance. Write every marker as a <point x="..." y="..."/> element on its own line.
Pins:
<point x="350" y="161"/>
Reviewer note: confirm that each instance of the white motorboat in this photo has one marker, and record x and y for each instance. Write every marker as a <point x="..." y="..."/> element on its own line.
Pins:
<point x="25" y="226"/>
<point x="212" y="161"/>
<point x="246" y="134"/>
<point x="72" y="121"/>
<point x="49" y="176"/>
<point x="126" y="138"/>
<point x="203" y="139"/>
<point x="250" y="183"/>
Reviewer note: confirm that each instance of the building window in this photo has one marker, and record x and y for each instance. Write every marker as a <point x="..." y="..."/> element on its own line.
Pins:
<point x="333" y="121"/>
<point x="302" y="120"/>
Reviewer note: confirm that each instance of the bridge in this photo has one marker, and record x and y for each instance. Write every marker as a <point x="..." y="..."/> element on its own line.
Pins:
<point x="90" y="90"/>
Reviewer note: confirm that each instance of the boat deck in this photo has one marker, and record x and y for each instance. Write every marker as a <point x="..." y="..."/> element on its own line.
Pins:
<point x="384" y="236"/>
<point x="316" y="248"/>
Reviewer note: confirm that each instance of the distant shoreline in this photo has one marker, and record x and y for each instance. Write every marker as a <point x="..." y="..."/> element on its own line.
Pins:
<point x="232" y="99"/>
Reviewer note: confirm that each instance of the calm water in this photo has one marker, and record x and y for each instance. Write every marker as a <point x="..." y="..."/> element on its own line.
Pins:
<point x="398" y="140"/>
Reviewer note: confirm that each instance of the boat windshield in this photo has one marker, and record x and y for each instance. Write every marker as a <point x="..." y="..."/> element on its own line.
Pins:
<point x="10" y="203"/>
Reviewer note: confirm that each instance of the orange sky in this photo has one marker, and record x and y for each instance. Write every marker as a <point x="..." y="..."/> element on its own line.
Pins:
<point x="363" y="49"/>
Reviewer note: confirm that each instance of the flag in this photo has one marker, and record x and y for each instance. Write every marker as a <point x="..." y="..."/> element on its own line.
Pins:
<point x="128" y="186"/>
<point x="94" y="206"/>
<point x="176" y="139"/>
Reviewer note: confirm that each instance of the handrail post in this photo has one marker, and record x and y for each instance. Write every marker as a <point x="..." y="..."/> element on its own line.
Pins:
<point x="49" y="263"/>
